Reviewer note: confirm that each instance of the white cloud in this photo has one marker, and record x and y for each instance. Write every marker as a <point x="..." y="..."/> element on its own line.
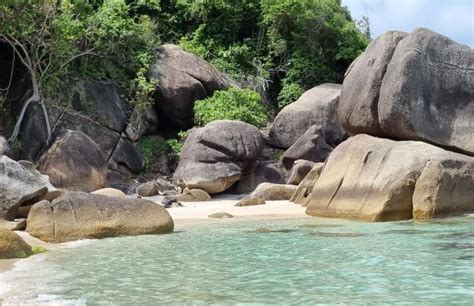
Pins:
<point x="453" y="18"/>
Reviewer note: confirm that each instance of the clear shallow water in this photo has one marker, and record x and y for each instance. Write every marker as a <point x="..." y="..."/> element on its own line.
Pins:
<point x="304" y="261"/>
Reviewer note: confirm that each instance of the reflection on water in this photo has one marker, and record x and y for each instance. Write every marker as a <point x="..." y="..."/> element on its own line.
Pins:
<point x="259" y="262"/>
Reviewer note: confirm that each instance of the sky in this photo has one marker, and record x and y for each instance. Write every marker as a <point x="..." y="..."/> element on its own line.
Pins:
<point x="452" y="18"/>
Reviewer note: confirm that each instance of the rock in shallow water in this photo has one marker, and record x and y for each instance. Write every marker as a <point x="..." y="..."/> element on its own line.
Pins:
<point x="220" y="215"/>
<point x="378" y="179"/>
<point x="78" y="215"/>
<point x="12" y="246"/>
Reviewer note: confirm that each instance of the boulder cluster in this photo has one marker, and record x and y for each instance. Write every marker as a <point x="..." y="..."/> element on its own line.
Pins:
<point x="395" y="141"/>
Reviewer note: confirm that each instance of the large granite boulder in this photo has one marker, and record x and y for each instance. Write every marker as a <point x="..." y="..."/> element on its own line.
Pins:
<point x="305" y="187"/>
<point x="74" y="162"/>
<point x="300" y="169"/>
<point x="216" y="156"/>
<point x="358" y="105"/>
<point x="78" y="215"/>
<point x="12" y="246"/>
<point x="317" y="106"/>
<point x="183" y="78"/>
<point x="376" y="179"/>
<point x="311" y="146"/>
<point x="413" y="87"/>
<point x="18" y="185"/>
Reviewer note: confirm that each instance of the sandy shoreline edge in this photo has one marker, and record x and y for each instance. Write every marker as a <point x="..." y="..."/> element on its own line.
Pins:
<point x="195" y="213"/>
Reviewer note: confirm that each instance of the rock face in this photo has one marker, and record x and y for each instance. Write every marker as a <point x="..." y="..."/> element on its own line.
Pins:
<point x="5" y="147"/>
<point x="265" y="172"/>
<point x="273" y="192"/>
<point x="216" y="156"/>
<point x="414" y="87"/>
<point x="375" y="179"/>
<point x="311" y="146"/>
<point x="358" y="105"/>
<point x="299" y="171"/>
<point x="317" y="106"/>
<point x="74" y="162"/>
<point x="18" y="185"/>
<point x="183" y="78"/>
<point x="305" y="188"/>
<point x="78" y="215"/>
<point x="12" y="246"/>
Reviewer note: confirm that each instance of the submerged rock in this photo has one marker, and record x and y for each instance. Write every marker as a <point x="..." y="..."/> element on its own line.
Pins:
<point x="12" y="246"/>
<point x="220" y="215"/>
<point x="78" y="215"/>
<point x="216" y="156"/>
<point x="376" y="179"/>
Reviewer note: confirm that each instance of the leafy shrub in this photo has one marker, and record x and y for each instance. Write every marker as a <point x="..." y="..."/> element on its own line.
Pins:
<point x="151" y="148"/>
<point x="175" y="145"/>
<point x="232" y="104"/>
<point x="289" y="94"/>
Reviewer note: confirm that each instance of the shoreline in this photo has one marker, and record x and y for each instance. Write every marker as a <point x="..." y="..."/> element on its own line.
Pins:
<point x="196" y="213"/>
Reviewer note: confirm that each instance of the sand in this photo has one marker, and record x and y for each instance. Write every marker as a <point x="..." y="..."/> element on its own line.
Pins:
<point x="197" y="213"/>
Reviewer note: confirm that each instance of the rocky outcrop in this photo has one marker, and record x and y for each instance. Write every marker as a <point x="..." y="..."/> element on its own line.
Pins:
<point x="12" y="246"/>
<point x="311" y="146"/>
<point x="18" y="186"/>
<point x="413" y="87"/>
<point x="300" y="169"/>
<point x="273" y="192"/>
<point x="216" y="156"/>
<point x="74" y="162"/>
<point x="183" y="78"/>
<point x="375" y="179"/>
<point x="155" y="187"/>
<point x="78" y="215"/>
<point x="317" y="106"/>
<point x="265" y="172"/>
<point x="305" y="188"/>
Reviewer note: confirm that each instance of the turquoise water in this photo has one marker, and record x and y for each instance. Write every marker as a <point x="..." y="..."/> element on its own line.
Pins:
<point x="304" y="261"/>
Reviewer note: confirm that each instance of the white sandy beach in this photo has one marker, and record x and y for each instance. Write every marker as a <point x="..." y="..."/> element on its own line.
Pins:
<point x="197" y="213"/>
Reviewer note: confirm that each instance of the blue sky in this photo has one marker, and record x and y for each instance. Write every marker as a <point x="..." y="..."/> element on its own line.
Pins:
<point x="453" y="18"/>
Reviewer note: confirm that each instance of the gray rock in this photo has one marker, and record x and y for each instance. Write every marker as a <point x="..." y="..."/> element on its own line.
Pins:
<point x="155" y="187"/>
<point x="250" y="201"/>
<point x="127" y="153"/>
<point x="183" y="78"/>
<point x="5" y="148"/>
<point x="216" y="156"/>
<point x="16" y="225"/>
<point x="273" y="192"/>
<point x="78" y="215"/>
<point x="191" y="195"/>
<point x="305" y="188"/>
<point x="316" y="106"/>
<point x="74" y="162"/>
<point x="18" y="185"/>
<point x="358" y="105"/>
<point x="300" y="169"/>
<point x="376" y="179"/>
<point x="311" y="146"/>
<point x="428" y="92"/>
<point x="265" y="172"/>
<point x="220" y="215"/>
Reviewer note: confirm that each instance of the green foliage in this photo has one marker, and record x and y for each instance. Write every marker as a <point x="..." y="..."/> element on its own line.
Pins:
<point x="175" y="145"/>
<point x="289" y="94"/>
<point x="38" y="249"/>
<point x="233" y="104"/>
<point x="151" y="148"/>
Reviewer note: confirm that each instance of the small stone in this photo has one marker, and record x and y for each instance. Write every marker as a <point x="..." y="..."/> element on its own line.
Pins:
<point x="220" y="215"/>
<point x="251" y="201"/>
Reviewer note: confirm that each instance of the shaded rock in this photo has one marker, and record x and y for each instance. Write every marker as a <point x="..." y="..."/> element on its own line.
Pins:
<point x="316" y="106"/>
<point x="17" y="225"/>
<point x="428" y="92"/>
<point x="74" y="162"/>
<point x="110" y="192"/>
<point x="33" y="132"/>
<point x="305" y="188"/>
<point x="251" y="201"/>
<point x="170" y="203"/>
<point x="5" y="147"/>
<point x="78" y="215"/>
<point x="18" y="185"/>
<point x="300" y="169"/>
<point x="358" y="105"/>
<point x="183" y="78"/>
<point x="376" y="179"/>
<point x="216" y="156"/>
<point x="265" y="172"/>
<point x="12" y="246"/>
<point x="220" y="215"/>
<point x="155" y="187"/>
<point x="191" y="195"/>
<point x="311" y="146"/>
<point x="127" y="154"/>
<point x="273" y="192"/>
